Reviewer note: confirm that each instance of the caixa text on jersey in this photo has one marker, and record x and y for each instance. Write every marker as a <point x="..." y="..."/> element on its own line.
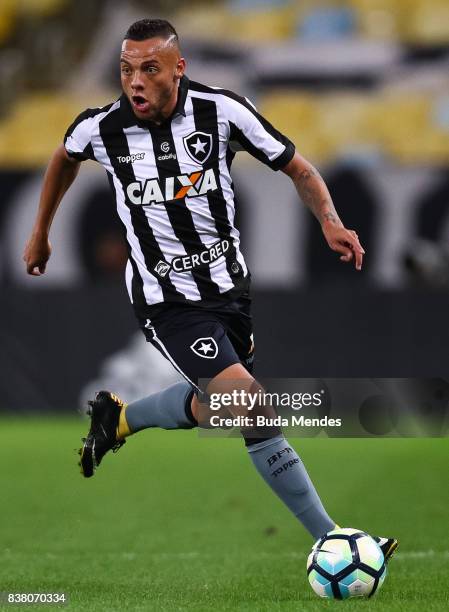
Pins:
<point x="154" y="191"/>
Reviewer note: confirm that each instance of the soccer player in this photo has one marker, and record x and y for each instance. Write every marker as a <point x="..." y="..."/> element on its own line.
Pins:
<point x="167" y="145"/>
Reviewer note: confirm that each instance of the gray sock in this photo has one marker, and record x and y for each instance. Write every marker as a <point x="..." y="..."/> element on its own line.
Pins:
<point x="281" y="468"/>
<point x="168" y="409"/>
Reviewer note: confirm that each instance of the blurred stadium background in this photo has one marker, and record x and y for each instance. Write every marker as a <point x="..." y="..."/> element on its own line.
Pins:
<point x="173" y="522"/>
<point x="361" y="87"/>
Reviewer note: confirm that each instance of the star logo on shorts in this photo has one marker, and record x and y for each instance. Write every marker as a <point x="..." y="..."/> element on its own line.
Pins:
<point x="205" y="347"/>
<point x="198" y="146"/>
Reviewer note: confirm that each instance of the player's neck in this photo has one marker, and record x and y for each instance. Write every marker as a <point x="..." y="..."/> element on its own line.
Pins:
<point x="168" y="110"/>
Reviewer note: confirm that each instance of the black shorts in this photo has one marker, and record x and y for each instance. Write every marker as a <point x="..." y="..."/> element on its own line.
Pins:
<point x="199" y="342"/>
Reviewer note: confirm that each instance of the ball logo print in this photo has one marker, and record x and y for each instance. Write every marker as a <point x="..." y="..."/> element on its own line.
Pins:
<point x="198" y="146"/>
<point x="205" y="347"/>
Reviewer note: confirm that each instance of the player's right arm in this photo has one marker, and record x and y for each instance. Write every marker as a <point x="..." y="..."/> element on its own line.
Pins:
<point x="61" y="172"/>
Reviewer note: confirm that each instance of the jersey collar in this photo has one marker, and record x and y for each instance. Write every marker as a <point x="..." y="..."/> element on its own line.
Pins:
<point x="129" y="118"/>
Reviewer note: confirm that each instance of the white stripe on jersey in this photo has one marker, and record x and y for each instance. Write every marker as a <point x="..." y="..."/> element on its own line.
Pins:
<point x="85" y="132"/>
<point x="151" y="288"/>
<point x="228" y="194"/>
<point x="139" y="141"/>
<point x="129" y="279"/>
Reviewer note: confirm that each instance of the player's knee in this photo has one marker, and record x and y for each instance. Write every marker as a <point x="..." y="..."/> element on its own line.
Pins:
<point x="239" y="396"/>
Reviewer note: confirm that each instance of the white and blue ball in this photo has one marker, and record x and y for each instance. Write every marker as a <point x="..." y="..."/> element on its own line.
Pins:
<point x="346" y="563"/>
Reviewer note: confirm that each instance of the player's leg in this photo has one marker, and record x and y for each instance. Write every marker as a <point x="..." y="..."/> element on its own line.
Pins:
<point x="166" y="409"/>
<point x="171" y="407"/>
<point x="197" y="347"/>
<point x="239" y="331"/>
<point x="292" y="484"/>
<point x="186" y="337"/>
<point x="112" y="420"/>
<point x="279" y="464"/>
<point x="273" y="457"/>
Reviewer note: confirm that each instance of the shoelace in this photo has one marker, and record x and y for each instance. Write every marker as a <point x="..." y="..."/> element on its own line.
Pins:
<point x="118" y="445"/>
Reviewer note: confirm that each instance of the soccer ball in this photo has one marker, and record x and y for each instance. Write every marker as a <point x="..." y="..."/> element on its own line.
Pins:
<point x="346" y="563"/>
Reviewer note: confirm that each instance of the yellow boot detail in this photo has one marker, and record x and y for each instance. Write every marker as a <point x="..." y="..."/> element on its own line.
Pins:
<point x="123" y="429"/>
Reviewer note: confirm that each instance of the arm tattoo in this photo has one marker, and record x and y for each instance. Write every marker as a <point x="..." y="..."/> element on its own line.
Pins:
<point x="328" y="216"/>
<point x="313" y="192"/>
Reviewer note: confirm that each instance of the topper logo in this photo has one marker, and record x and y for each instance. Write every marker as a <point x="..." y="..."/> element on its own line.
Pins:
<point x="126" y="159"/>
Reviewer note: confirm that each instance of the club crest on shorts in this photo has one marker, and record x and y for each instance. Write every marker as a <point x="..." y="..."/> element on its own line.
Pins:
<point x="198" y="146"/>
<point x="205" y="347"/>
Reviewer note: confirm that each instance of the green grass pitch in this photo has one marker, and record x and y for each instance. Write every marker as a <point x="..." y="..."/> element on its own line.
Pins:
<point x="178" y="522"/>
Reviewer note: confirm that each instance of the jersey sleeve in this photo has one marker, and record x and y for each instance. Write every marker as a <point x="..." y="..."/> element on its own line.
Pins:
<point x="78" y="138"/>
<point x="253" y="133"/>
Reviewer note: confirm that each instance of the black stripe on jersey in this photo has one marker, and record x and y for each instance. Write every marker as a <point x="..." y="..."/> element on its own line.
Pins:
<point x="236" y="134"/>
<point x="179" y="215"/>
<point x="116" y="144"/>
<point x="206" y="120"/>
<point x="88" y="152"/>
<point x="230" y="154"/>
<point x="276" y="164"/>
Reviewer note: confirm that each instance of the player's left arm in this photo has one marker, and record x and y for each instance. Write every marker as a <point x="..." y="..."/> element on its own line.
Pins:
<point x="313" y="192"/>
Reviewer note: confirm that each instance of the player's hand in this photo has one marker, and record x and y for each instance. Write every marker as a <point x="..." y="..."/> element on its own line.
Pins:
<point x="37" y="253"/>
<point x="346" y="242"/>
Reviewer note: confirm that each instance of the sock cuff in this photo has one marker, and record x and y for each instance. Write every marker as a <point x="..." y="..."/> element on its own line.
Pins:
<point x="265" y="444"/>
<point x="188" y="408"/>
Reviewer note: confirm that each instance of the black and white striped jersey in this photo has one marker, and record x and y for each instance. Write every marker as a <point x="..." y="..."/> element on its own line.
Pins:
<point x="174" y="191"/>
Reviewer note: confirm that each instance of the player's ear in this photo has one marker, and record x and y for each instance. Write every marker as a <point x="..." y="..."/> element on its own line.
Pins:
<point x="180" y="68"/>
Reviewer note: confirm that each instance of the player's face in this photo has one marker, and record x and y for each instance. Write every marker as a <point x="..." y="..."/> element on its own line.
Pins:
<point x="150" y="72"/>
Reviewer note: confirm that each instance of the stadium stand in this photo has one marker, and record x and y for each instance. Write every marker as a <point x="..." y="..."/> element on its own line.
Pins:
<point x="326" y="72"/>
